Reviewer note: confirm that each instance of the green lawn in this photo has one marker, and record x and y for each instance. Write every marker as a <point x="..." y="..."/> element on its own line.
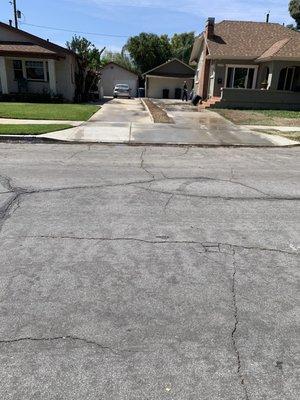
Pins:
<point x="66" y="112"/>
<point x="262" y="117"/>
<point x="9" y="129"/>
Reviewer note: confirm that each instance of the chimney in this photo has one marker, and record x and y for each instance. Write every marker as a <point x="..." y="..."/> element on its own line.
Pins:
<point x="10" y="22"/>
<point x="210" y="28"/>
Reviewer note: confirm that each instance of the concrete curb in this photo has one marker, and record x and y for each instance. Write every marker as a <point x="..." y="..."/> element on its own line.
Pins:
<point x="277" y="140"/>
<point x="147" y="109"/>
<point x="42" y="139"/>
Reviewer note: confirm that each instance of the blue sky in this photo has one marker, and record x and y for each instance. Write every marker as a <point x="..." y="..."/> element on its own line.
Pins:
<point x="129" y="17"/>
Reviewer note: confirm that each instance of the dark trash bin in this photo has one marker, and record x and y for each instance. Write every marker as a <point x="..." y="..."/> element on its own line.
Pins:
<point x="166" y="93"/>
<point x="196" y="100"/>
<point x="141" y="92"/>
<point x="177" y="93"/>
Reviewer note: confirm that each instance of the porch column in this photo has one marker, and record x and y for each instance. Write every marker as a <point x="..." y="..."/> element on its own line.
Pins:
<point x="273" y="76"/>
<point x="52" y="76"/>
<point x="3" y="76"/>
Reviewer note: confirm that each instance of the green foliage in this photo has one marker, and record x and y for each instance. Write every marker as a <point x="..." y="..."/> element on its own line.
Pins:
<point x="294" y="9"/>
<point x="88" y="62"/>
<point x="182" y="45"/>
<point x="121" y="59"/>
<point x="148" y="50"/>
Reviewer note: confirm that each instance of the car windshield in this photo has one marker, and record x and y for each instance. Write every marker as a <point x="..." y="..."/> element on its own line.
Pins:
<point x="122" y="87"/>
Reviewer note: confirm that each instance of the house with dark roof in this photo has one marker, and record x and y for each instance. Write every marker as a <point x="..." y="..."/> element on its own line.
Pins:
<point x="244" y="64"/>
<point x="34" y="65"/>
<point x="167" y="80"/>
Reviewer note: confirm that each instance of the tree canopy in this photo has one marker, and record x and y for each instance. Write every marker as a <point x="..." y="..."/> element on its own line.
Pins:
<point x="148" y="50"/>
<point x="88" y="62"/>
<point x="294" y="9"/>
<point x="182" y="45"/>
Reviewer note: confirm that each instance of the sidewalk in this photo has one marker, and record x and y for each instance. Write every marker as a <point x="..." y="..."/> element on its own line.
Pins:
<point x="165" y="134"/>
<point x="9" y="121"/>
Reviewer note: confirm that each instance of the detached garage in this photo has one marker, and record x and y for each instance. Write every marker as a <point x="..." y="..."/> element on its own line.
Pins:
<point x="167" y="80"/>
<point x="112" y="74"/>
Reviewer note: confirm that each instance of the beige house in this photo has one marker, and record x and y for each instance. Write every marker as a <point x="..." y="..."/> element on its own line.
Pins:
<point x="33" y="65"/>
<point x="167" y="80"/>
<point x="247" y="65"/>
<point x="112" y="74"/>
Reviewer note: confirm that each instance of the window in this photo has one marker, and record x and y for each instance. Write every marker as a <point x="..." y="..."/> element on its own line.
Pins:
<point x="242" y="77"/>
<point x="18" y="69"/>
<point x="35" y="70"/>
<point x="286" y="78"/>
<point x="31" y="70"/>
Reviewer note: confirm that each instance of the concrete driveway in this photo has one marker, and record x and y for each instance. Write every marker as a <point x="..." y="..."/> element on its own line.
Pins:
<point x="122" y="110"/>
<point x="127" y="121"/>
<point x="132" y="273"/>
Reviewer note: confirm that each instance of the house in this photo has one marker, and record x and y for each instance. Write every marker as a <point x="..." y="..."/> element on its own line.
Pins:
<point x="244" y="64"/>
<point x="34" y="65"/>
<point x="167" y="80"/>
<point x="113" y="73"/>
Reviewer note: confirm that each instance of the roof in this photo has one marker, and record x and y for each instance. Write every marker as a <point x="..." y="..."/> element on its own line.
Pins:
<point x="12" y="48"/>
<point x="33" y="44"/>
<point x="120" y="66"/>
<point x="251" y="40"/>
<point x="174" y="67"/>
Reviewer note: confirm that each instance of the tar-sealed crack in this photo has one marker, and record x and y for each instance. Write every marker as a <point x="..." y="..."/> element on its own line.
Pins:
<point x="235" y="329"/>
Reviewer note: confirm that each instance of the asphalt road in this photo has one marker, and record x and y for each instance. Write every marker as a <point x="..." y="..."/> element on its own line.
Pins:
<point x="148" y="273"/>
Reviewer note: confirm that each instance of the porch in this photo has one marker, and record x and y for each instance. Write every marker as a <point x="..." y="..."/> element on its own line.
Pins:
<point x="27" y="75"/>
<point x="273" y="85"/>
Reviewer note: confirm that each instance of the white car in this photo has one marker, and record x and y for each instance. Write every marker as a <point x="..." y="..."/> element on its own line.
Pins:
<point x="122" y="90"/>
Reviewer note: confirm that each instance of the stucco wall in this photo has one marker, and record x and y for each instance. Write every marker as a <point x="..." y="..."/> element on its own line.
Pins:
<point x="259" y="99"/>
<point x="65" y="78"/>
<point x="156" y="85"/>
<point x="112" y="74"/>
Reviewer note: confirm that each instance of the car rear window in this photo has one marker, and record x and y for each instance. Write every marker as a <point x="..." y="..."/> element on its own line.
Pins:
<point x="122" y="86"/>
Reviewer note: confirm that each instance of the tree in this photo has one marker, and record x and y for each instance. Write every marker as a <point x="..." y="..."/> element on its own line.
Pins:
<point x="182" y="45"/>
<point x="88" y="62"/>
<point x="294" y="9"/>
<point x="121" y="59"/>
<point x="148" y="50"/>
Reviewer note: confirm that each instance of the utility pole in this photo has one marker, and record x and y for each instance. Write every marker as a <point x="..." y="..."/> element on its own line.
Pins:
<point x="15" y="13"/>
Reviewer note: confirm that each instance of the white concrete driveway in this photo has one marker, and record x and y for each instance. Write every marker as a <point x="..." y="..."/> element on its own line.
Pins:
<point x="122" y="110"/>
<point x="126" y="121"/>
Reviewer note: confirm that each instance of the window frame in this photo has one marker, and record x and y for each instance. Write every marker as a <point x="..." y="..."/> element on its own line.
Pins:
<point x="24" y="69"/>
<point x="234" y="66"/>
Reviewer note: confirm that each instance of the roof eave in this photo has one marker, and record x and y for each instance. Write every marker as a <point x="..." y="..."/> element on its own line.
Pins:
<point x="195" y="55"/>
<point x="44" y="43"/>
<point x="218" y="57"/>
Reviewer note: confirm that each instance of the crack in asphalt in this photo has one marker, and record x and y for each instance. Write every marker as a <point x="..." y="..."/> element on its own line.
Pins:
<point x="207" y="247"/>
<point x="235" y="329"/>
<point x="168" y="202"/>
<point x="57" y="338"/>
<point x="143" y="162"/>
<point x="217" y="197"/>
